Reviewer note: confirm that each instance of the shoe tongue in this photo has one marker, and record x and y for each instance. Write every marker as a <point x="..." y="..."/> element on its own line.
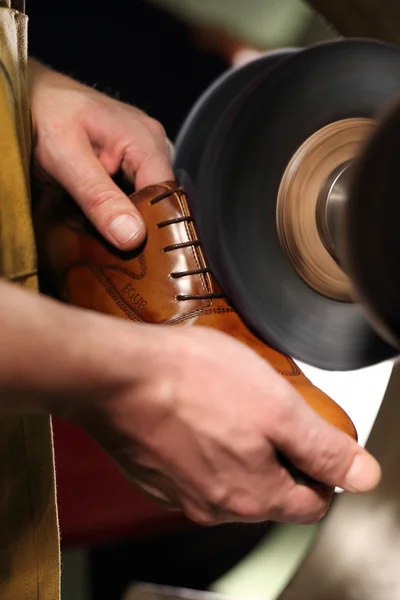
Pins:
<point x="168" y="197"/>
<point x="162" y="203"/>
<point x="165" y="209"/>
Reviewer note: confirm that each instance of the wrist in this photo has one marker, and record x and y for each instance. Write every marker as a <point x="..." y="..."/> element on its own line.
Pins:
<point x="61" y="360"/>
<point x="110" y="355"/>
<point x="36" y="70"/>
<point x="40" y="75"/>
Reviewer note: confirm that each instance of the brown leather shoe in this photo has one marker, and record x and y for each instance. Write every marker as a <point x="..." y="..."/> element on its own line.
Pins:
<point x="166" y="281"/>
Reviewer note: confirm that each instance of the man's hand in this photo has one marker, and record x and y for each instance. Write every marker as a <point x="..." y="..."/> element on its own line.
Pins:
<point x="83" y="137"/>
<point x="194" y="418"/>
<point x="198" y="426"/>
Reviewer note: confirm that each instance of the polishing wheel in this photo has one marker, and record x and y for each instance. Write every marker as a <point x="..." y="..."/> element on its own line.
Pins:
<point x="290" y="168"/>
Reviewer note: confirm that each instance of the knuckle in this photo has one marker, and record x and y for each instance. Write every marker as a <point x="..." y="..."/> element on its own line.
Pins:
<point x="99" y="197"/>
<point x="165" y="398"/>
<point x="281" y="414"/>
<point x="312" y="512"/>
<point x="217" y="496"/>
<point x="156" y="129"/>
<point x="247" y="508"/>
<point x="316" y="516"/>
<point x="326" y="461"/>
<point x="330" y="457"/>
<point x="313" y="515"/>
<point x="201" y="518"/>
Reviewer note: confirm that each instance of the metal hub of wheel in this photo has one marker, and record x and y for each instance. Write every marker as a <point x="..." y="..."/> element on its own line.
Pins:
<point x="310" y="203"/>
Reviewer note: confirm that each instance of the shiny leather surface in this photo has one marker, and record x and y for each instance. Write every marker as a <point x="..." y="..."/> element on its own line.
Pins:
<point x="166" y="281"/>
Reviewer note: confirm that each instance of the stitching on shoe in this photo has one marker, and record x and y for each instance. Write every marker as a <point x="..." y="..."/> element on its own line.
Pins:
<point x="190" y="236"/>
<point x="108" y="287"/>
<point x="111" y="291"/>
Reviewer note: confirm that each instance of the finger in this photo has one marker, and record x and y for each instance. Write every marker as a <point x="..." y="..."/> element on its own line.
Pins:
<point x="150" y="163"/>
<point x="158" y="496"/>
<point x="323" y="452"/>
<point x="153" y="170"/>
<point x="113" y="214"/>
<point x="277" y="498"/>
<point x="302" y="504"/>
<point x="243" y="55"/>
<point x="152" y="483"/>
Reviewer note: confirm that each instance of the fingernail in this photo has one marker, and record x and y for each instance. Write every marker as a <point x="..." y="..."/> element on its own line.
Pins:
<point x="124" y="228"/>
<point x="364" y="474"/>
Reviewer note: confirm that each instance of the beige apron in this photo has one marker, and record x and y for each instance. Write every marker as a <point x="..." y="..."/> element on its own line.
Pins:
<point x="29" y="541"/>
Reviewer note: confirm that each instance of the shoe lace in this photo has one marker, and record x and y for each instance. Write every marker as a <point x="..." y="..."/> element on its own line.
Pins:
<point x="190" y="244"/>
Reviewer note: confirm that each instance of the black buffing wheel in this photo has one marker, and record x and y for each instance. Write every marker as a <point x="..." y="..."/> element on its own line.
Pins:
<point x="210" y="107"/>
<point x="240" y="171"/>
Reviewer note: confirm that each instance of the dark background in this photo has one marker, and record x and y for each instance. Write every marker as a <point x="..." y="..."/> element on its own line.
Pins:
<point x="125" y="47"/>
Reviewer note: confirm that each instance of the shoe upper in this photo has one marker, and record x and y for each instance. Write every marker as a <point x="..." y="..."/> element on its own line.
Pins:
<point x="165" y="281"/>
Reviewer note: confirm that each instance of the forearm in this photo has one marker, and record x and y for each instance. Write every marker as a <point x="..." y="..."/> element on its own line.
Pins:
<point x="41" y="74"/>
<point x="52" y="355"/>
<point x="35" y="67"/>
<point x="36" y="71"/>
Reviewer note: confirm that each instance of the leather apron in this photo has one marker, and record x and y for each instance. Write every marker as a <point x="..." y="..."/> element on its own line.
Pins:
<point x="29" y="539"/>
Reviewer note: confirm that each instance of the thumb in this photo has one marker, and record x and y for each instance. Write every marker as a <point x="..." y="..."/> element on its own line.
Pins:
<point x="108" y="208"/>
<point x="325" y="453"/>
